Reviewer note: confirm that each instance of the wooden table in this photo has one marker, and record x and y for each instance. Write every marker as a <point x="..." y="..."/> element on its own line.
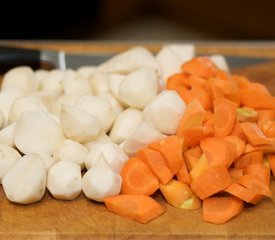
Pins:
<point x="84" y="219"/>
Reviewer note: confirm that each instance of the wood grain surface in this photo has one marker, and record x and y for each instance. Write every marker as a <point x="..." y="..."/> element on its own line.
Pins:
<point x="85" y="219"/>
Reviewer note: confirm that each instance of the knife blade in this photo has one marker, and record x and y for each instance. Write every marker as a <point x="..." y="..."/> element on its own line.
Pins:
<point x="12" y="56"/>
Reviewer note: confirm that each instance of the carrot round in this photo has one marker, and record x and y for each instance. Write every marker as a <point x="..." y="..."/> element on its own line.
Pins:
<point x="171" y="149"/>
<point x="254" y="134"/>
<point x="249" y="158"/>
<point x="156" y="163"/>
<point x="213" y="180"/>
<point x="254" y="183"/>
<point x="200" y="66"/>
<point x="224" y="117"/>
<point x="219" y="210"/>
<point x="244" y="193"/>
<point x="136" y="207"/>
<point x="137" y="178"/>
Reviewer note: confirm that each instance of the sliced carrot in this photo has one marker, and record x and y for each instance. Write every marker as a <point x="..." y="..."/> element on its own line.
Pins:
<point x="244" y="193"/>
<point x="218" y="150"/>
<point x="171" y="150"/>
<point x="249" y="158"/>
<point x="175" y="192"/>
<point x="237" y="143"/>
<point x="224" y="117"/>
<point x="199" y="168"/>
<point x="268" y="128"/>
<point x="156" y="163"/>
<point x="266" y="148"/>
<point x="182" y="174"/>
<point x="257" y="99"/>
<point x="264" y="116"/>
<point x="194" y="116"/>
<point x="254" y="183"/>
<point x="200" y="66"/>
<point x="215" y="179"/>
<point x="254" y="134"/>
<point x="244" y="83"/>
<point x="191" y="156"/>
<point x="137" y="178"/>
<point x="260" y="171"/>
<point x="193" y="135"/>
<point x="219" y="210"/>
<point x="235" y="173"/>
<point x="177" y="82"/>
<point x="237" y="131"/>
<point x="136" y="207"/>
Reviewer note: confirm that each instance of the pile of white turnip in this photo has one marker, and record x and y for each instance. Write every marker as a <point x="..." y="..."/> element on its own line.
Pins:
<point x="72" y="131"/>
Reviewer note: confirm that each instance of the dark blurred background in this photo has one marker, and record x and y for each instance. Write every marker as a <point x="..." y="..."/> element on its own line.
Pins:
<point x="139" y="20"/>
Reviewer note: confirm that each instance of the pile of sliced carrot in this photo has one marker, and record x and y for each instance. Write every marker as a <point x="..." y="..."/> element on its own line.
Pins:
<point x="220" y="158"/>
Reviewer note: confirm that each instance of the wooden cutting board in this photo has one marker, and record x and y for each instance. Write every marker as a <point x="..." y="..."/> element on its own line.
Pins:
<point x="85" y="219"/>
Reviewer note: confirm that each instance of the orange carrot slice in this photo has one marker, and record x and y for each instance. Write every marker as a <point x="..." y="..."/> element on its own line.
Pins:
<point x="235" y="173"/>
<point x="218" y="151"/>
<point x="260" y="171"/>
<point x="257" y="99"/>
<point x="254" y="183"/>
<point x="156" y="163"/>
<point x="200" y="66"/>
<point x="219" y="210"/>
<point x="264" y="116"/>
<point x="215" y="179"/>
<point x="182" y="174"/>
<point x="244" y="193"/>
<point x="237" y="143"/>
<point x="254" y="134"/>
<point x="249" y="158"/>
<point x="136" y="207"/>
<point x="199" y="168"/>
<point x="191" y="157"/>
<point x="171" y="150"/>
<point x="137" y="178"/>
<point x="224" y="117"/>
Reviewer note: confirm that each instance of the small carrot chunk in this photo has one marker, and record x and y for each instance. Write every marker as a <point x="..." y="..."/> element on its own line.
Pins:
<point x="219" y="210"/>
<point x="182" y="174"/>
<point x="244" y="193"/>
<point x="137" y="178"/>
<point x="224" y="117"/>
<point x="249" y="158"/>
<point x="171" y="149"/>
<point x="200" y="66"/>
<point x="215" y="179"/>
<point x="254" y="183"/>
<point x="136" y="207"/>
<point x="235" y="173"/>
<point x="156" y="163"/>
<point x="254" y="134"/>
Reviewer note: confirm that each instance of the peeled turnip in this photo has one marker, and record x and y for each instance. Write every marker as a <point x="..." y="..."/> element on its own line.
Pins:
<point x="21" y="77"/>
<point x="101" y="181"/>
<point x="128" y="61"/>
<point x="72" y="151"/>
<point x="125" y="124"/>
<point x="8" y="157"/>
<point x="98" y="107"/>
<point x="111" y="152"/>
<point x="144" y="134"/>
<point x="79" y="125"/>
<point x="25" y="182"/>
<point x="138" y="88"/>
<point x="64" y="180"/>
<point x="165" y="111"/>
<point x="37" y="132"/>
